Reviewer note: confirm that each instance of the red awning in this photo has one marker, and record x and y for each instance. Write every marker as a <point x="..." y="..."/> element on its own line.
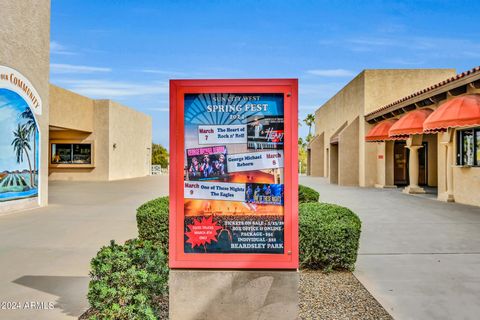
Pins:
<point x="411" y="123"/>
<point x="462" y="111"/>
<point x="380" y="131"/>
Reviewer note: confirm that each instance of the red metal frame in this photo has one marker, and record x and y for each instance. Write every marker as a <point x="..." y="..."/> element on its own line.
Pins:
<point x="177" y="257"/>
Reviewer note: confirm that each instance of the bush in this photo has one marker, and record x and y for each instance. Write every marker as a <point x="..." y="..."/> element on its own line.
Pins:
<point x="152" y="217"/>
<point x="328" y="236"/>
<point x="152" y="222"/>
<point x="306" y="194"/>
<point x="126" y="280"/>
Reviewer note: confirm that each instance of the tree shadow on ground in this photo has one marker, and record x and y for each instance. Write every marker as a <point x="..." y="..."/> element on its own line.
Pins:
<point x="71" y="291"/>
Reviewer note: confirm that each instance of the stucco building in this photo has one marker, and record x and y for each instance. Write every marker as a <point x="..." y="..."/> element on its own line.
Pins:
<point x="403" y="128"/>
<point x="96" y="139"/>
<point x="49" y="133"/>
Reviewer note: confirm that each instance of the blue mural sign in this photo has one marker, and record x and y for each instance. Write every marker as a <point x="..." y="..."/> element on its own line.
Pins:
<point x="19" y="140"/>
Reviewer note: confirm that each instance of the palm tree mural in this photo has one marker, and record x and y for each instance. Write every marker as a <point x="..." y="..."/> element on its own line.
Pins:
<point x="31" y="127"/>
<point x="18" y="148"/>
<point x="21" y="146"/>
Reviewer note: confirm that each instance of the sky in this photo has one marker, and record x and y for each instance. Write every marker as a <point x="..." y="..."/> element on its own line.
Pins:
<point x="128" y="50"/>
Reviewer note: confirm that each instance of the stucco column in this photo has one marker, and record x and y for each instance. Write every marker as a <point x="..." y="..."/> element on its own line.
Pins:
<point x="384" y="165"/>
<point x="448" y="195"/>
<point x="381" y="174"/>
<point x="413" y="170"/>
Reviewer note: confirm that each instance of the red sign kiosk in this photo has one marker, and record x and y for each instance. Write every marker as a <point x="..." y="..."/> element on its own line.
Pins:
<point x="234" y="174"/>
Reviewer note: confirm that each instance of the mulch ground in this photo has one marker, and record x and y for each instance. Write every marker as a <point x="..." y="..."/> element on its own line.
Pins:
<point x="336" y="295"/>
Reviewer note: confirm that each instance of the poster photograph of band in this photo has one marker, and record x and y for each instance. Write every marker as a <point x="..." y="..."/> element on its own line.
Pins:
<point x="234" y="177"/>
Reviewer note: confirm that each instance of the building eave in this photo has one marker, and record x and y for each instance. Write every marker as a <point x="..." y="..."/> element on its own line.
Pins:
<point x="450" y="87"/>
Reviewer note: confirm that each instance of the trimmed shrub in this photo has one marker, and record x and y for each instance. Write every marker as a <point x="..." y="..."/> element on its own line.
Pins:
<point x="306" y="194"/>
<point x="329" y="235"/>
<point x="152" y="222"/>
<point x="126" y="280"/>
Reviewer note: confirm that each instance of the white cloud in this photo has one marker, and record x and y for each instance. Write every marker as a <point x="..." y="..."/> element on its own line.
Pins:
<point x="70" y="68"/>
<point x="114" y="89"/>
<point x="405" y="62"/>
<point x="319" y="90"/>
<point x="431" y="47"/>
<point x="307" y="108"/>
<point x="163" y="72"/>
<point x="332" y="73"/>
<point x="377" y="42"/>
<point x="57" y="48"/>
<point x="159" y="109"/>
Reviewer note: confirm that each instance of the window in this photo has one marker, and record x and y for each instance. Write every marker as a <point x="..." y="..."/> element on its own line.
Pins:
<point x="468" y="147"/>
<point x="477" y="145"/>
<point x="82" y="153"/>
<point x="71" y="153"/>
<point x="61" y="153"/>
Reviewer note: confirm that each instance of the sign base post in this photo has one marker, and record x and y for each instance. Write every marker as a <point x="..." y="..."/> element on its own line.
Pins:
<point x="233" y="294"/>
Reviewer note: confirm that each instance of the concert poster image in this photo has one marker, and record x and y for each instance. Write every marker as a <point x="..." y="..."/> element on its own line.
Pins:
<point x="265" y="132"/>
<point x="264" y="193"/>
<point x="233" y="189"/>
<point x="207" y="163"/>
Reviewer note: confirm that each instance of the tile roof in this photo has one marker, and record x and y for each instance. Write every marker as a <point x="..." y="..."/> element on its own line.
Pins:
<point x="435" y="86"/>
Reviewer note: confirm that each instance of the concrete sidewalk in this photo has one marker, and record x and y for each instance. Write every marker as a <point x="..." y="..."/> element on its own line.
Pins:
<point x="420" y="258"/>
<point x="45" y="253"/>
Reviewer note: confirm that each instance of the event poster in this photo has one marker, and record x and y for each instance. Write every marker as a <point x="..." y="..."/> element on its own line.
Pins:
<point x="234" y="173"/>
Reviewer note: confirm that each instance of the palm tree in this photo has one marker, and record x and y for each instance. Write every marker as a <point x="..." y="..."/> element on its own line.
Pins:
<point x="31" y="127"/>
<point x="21" y="146"/>
<point x="309" y="121"/>
<point x="301" y="142"/>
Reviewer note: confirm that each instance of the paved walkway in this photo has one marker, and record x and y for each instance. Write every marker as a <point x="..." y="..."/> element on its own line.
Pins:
<point x="420" y="258"/>
<point x="45" y="253"/>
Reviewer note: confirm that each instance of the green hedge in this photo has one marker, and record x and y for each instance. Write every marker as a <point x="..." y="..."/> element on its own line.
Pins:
<point x="306" y="194"/>
<point x="328" y="236"/>
<point x="152" y="222"/>
<point x="126" y="280"/>
<point x="152" y="217"/>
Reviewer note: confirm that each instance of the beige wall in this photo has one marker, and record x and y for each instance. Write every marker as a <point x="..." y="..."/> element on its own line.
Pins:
<point x="316" y="152"/>
<point x="342" y="108"/>
<point x="385" y="164"/>
<point x="70" y="110"/>
<point x="131" y="132"/>
<point x="442" y="163"/>
<point x="466" y="185"/>
<point x="466" y="181"/>
<point x="367" y="158"/>
<point x="25" y="46"/>
<point x="99" y="135"/>
<point x="348" y="158"/>
<point x="384" y="86"/>
<point x="111" y="123"/>
<point x="333" y="161"/>
<point x="432" y="158"/>
<point x="389" y="163"/>
<point x="368" y="91"/>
